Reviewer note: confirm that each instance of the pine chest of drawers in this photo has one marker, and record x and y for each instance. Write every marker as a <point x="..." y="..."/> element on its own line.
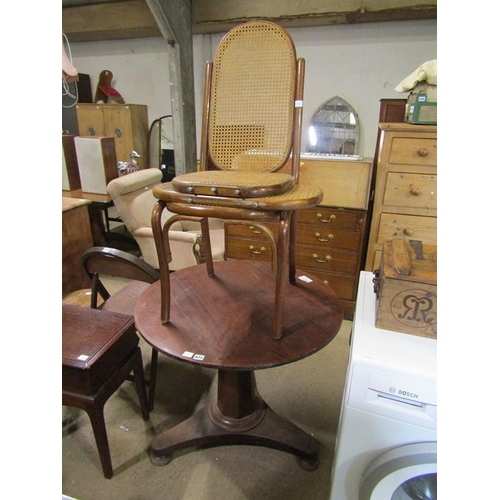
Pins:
<point x="405" y="199"/>
<point x="331" y="236"/>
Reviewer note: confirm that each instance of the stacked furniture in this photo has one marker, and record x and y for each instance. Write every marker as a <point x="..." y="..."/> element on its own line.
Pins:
<point x="331" y="236"/>
<point x="405" y="199"/>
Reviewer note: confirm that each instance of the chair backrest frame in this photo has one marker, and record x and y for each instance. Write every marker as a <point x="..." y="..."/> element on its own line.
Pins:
<point x="253" y="100"/>
<point x="114" y="262"/>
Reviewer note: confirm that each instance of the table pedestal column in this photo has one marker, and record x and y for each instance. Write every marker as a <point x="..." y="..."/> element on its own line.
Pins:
<point x="238" y="416"/>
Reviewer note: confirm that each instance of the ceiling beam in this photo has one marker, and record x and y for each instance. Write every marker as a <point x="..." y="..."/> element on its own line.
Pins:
<point x="91" y="20"/>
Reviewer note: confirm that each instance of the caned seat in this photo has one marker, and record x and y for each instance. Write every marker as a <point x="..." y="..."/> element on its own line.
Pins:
<point x="250" y="152"/>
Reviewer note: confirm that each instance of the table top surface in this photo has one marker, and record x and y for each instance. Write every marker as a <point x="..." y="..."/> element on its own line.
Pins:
<point x="70" y="203"/>
<point x="88" y="333"/>
<point x="226" y="321"/>
<point x="95" y="198"/>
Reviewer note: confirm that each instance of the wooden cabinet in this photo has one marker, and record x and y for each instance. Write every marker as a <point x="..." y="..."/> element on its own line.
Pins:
<point x="405" y="200"/>
<point x="331" y="236"/>
<point x="127" y="123"/>
<point x="76" y="239"/>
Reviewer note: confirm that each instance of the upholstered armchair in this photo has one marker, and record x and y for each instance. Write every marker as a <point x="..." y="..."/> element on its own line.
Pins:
<point x="133" y="198"/>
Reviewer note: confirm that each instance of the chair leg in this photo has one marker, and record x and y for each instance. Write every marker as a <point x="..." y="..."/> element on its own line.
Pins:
<point x="140" y="383"/>
<point x="207" y="247"/>
<point x="164" y="257"/>
<point x="152" y="378"/>
<point x="282" y="274"/>
<point x="292" y="254"/>
<point x="96" y="415"/>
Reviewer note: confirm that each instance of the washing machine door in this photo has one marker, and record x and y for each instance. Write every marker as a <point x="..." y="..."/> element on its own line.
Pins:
<point x="403" y="473"/>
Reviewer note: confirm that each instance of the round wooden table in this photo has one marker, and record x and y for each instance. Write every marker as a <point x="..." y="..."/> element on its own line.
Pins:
<point x="225" y="322"/>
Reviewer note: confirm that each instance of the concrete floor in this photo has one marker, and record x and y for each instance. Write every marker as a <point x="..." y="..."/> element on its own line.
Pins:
<point x="307" y="392"/>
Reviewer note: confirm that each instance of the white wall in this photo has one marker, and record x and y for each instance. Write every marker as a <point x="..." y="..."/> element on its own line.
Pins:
<point x="361" y="63"/>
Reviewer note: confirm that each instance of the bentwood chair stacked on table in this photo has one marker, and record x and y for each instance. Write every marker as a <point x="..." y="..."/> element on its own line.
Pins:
<point x="250" y="152"/>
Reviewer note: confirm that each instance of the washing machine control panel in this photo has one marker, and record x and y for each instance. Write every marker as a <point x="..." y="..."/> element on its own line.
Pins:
<point x="395" y="396"/>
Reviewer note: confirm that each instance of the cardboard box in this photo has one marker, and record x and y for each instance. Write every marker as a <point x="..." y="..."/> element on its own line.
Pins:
<point x="420" y="110"/>
<point x="96" y="163"/>
<point x="406" y="287"/>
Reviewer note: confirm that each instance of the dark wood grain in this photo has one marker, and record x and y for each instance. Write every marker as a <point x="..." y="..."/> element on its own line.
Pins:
<point x="226" y="322"/>
<point x="228" y="318"/>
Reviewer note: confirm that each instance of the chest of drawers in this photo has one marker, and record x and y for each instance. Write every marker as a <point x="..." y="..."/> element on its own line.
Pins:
<point x="330" y="237"/>
<point x="405" y="199"/>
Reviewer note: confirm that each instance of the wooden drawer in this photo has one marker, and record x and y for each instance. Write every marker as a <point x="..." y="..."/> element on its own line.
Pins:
<point x="411" y="190"/>
<point x="249" y="250"/>
<point x="323" y="237"/>
<point x="412" y="227"/>
<point x="249" y="231"/>
<point x="413" y="151"/>
<point x="345" y="286"/>
<point x="329" y="260"/>
<point x="331" y="217"/>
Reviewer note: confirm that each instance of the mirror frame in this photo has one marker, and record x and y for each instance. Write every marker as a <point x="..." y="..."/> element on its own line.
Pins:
<point x="326" y="119"/>
<point x="152" y="135"/>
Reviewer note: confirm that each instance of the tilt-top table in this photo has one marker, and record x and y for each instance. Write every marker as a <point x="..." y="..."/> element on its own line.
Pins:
<point x="225" y="322"/>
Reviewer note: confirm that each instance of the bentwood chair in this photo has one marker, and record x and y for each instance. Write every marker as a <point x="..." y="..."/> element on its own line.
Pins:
<point x="252" y="120"/>
<point x="98" y="261"/>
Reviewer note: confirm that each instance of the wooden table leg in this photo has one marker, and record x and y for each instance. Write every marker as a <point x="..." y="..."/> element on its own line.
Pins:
<point x="238" y="416"/>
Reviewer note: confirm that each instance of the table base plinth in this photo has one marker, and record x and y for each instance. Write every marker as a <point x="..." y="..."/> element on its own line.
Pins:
<point x="250" y="422"/>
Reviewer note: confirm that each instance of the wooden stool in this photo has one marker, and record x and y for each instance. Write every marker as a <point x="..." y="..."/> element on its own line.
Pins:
<point x="99" y="350"/>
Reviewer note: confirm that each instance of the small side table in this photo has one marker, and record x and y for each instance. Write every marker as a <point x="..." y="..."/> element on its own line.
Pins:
<point x="99" y="350"/>
<point x="225" y="322"/>
<point x="98" y="205"/>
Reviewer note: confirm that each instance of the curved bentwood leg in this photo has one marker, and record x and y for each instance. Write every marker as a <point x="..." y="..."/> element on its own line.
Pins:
<point x="245" y="419"/>
<point x="207" y="246"/>
<point x="282" y="276"/>
<point x="164" y="257"/>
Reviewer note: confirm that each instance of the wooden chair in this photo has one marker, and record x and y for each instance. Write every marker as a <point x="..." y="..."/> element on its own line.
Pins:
<point x="252" y="120"/>
<point x="109" y="261"/>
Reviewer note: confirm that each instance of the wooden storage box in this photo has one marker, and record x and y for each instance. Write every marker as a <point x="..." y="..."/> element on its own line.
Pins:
<point x="406" y="288"/>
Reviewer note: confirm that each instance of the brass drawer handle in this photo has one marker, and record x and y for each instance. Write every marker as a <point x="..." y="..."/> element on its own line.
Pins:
<point x="255" y="230"/>
<point x="415" y="191"/>
<point x="321" y="261"/>
<point x="408" y="231"/>
<point x="328" y="238"/>
<point x="423" y="152"/>
<point x="257" y="251"/>
<point x="320" y="218"/>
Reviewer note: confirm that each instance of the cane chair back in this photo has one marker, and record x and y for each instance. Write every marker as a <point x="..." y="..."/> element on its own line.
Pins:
<point x="252" y="129"/>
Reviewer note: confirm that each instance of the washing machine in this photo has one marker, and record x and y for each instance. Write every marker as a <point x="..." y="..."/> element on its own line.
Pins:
<point x="386" y="445"/>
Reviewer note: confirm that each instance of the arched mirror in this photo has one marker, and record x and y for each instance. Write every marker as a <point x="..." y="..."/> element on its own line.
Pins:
<point x="334" y="129"/>
<point x="161" y="147"/>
